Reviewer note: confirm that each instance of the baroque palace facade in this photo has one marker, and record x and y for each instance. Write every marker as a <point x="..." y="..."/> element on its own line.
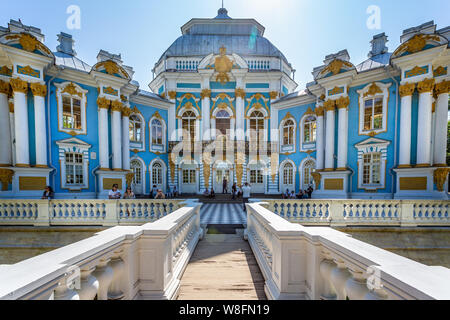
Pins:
<point x="223" y="105"/>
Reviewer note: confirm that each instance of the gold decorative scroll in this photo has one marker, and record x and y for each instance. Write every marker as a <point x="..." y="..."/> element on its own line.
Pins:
<point x="407" y="89"/>
<point x="329" y="105"/>
<point x="373" y="90"/>
<point x="5" y="87"/>
<point x="172" y="95"/>
<point x="442" y="87"/>
<point x="28" y="42"/>
<point x="335" y="66"/>
<point x="343" y="102"/>
<point x="206" y="168"/>
<point x="39" y="90"/>
<point x="416" y="43"/>
<point x="18" y="85"/>
<point x="72" y="90"/>
<point x="273" y="165"/>
<point x="223" y="65"/>
<point x="110" y="67"/>
<point x="172" y="157"/>
<point x="126" y="112"/>
<point x="157" y="115"/>
<point x="320" y="111"/>
<point x="426" y="85"/>
<point x="439" y="71"/>
<point x="129" y="178"/>
<point x="116" y="106"/>
<point x="317" y="178"/>
<point x="206" y="93"/>
<point x="6" y="177"/>
<point x="440" y="176"/>
<point x="240" y="93"/>
<point x="103" y="103"/>
<point x="273" y="94"/>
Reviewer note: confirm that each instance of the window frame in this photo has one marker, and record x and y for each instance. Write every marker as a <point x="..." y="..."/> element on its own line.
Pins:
<point x="138" y="145"/>
<point x="288" y="148"/>
<point x="307" y="146"/>
<point x="372" y="91"/>
<point x="158" y="148"/>
<point x="72" y="91"/>
<point x="73" y="145"/>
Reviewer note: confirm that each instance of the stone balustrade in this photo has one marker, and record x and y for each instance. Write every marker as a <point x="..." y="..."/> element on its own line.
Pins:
<point x="407" y="213"/>
<point x="320" y="263"/>
<point x="84" y="212"/>
<point x="121" y="263"/>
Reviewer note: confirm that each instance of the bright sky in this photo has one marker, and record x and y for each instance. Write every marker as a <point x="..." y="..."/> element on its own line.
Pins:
<point x="304" y="30"/>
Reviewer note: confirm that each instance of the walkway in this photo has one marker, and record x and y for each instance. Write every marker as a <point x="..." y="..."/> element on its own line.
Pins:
<point x="222" y="267"/>
<point x="229" y="213"/>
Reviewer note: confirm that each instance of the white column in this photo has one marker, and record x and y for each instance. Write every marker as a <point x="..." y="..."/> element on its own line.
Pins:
<point x="320" y="142"/>
<point x="425" y="89"/>
<point x="20" y="89"/>
<point x="342" y="105"/>
<point x="171" y="125"/>
<point x="406" y="92"/>
<point x="274" y="126"/>
<point x="126" y="138"/>
<point x="116" y="134"/>
<point x="39" y="92"/>
<point x="440" y="135"/>
<point x="5" y="128"/>
<point x="103" y="105"/>
<point x="240" y="116"/>
<point x="330" y="132"/>
<point x="206" y="113"/>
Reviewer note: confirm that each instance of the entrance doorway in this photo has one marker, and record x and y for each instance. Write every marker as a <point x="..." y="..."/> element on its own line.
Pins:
<point x="221" y="172"/>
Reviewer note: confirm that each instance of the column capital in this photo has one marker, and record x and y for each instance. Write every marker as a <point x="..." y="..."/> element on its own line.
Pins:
<point x="274" y="94"/>
<point x="206" y="93"/>
<point x="126" y="112"/>
<point x="442" y="87"/>
<point x="329" y="105"/>
<point x="240" y="93"/>
<point x="103" y="103"/>
<point x="18" y="85"/>
<point x="5" y="88"/>
<point x="407" y="89"/>
<point x="320" y="112"/>
<point x="39" y="90"/>
<point x="425" y="86"/>
<point x="343" y="102"/>
<point x="116" y="106"/>
<point x="172" y="95"/>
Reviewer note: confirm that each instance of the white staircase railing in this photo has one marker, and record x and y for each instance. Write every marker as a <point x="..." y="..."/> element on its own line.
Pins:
<point x="84" y="212"/>
<point x="121" y="263"/>
<point x="320" y="263"/>
<point x="408" y="213"/>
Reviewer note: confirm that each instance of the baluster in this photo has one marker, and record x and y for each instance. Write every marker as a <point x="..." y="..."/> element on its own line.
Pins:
<point x="339" y="277"/>
<point x="356" y="286"/>
<point x="64" y="290"/>
<point x="89" y="285"/>
<point x="115" y="290"/>
<point x="104" y="274"/>
<point x="326" y="267"/>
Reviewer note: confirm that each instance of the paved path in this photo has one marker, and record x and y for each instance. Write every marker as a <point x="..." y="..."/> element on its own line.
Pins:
<point x="223" y="267"/>
<point x="223" y="214"/>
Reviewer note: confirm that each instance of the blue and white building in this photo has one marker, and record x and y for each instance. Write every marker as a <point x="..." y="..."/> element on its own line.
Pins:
<point x="375" y="129"/>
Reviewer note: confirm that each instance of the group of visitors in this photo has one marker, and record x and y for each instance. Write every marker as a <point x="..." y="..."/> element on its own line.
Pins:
<point x="303" y="194"/>
<point x="115" y="194"/>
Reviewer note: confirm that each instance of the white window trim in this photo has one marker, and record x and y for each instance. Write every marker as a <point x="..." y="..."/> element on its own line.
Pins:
<point x="59" y="99"/>
<point x="135" y="145"/>
<point x="385" y="94"/>
<point x="301" y="169"/>
<point x="164" y="133"/>
<point x="372" y="145"/>
<point x="144" y="172"/>
<point x="197" y="136"/>
<point x="266" y="122"/>
<point x="281" y="174"/>
<point x="306" y="146"/>
<point x="286" y="149"/>
<point x="164" y="172"/>
<point x="73" y="145"/>
<point x="232" y="121"/>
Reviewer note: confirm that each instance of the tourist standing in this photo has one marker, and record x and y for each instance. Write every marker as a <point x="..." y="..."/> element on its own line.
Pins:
<point x="234" y="191"/>
<point x="114" y="193"/>
<point x="48" y="193"/>
<point x="225" y="186"/>
<point x="246" y="193"/>
<point x="310" y="192"/>
<point x="154" y="191"/>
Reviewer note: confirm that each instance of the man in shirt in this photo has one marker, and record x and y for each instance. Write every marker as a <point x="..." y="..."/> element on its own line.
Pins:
<point x="246" y="193"/>
<point x="115" y="194"/>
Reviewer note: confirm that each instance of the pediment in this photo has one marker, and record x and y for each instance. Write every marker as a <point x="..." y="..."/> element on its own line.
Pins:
<point x="373" y="142"/>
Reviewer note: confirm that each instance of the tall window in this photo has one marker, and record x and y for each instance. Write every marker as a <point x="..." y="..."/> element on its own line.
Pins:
<point x="288" y="174"/>
<point x="222" y="122"/>
<point x="136" y="167"/>
<point x="288" y="132"/>
<point x="74" y="169"/>
<point x="309" y="130"/>
<point x="71" y="113"/>
<point x="135" y="129"/>
<point x="373" y="114"/>
<point x="189" y="177"/>
<point x="308" y="168"/>
<point x="157" y="174"/>
<point x="157" y="132"/>
<point x="372" y="168"/>
<point x="188" y="125"/>
<point x="256" y="177"/>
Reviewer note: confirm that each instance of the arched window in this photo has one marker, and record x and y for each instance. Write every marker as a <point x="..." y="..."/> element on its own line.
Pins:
<point x="157" y="174"/>
<point x="308" y="168"/>
<point x="188" y="125"/>
<point x="136" y="167"/>
<point x="157" y="132"/>
<point x="288" y="174"/>
<point x="288" y="133"/>
<point x="257" y="125"/>
<point x="135" y="129"/>
<point x="223" y="122"/>
<point x="309" y="130"/>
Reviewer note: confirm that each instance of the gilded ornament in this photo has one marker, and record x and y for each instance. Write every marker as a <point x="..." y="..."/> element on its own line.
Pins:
<point x="18" y="85"/>
<point x="206" y="93"/>
<point x="440" y="176"/>
<point x="407" y="89"/>
<point x="206" y="169"/>
<point x="136" y="110"/>
<point x="416" y="71"/>
<point x="320" y="111"/>
<point x="163" y="95"/>
<point x="172" y="95"/>
<point x="273" y="94"/>
<point x="126" y="112"/>
<point x="6" y="177"/>
<point x="72" y="90"/>
<point x="322" y="97"/>
<point x="72" y="133"/>
<point x="172" y="157"/>
<point x="373" y="90"/>
<point x="240" y="93"/>
<point x="157" y="115"/>
<point x="287" y="116"/>
<point x="309" y="112"/>
<point x="442" y="87"/>
<point x="415" y="44"/>
<point x="335" y="91"/>
<point x="439" y="71"/>
<point x="317" y="178"/>
<point x="28" y="71"/>
<point x="335" y="66"/>
<point x="103" y="103"/>
<point x="343" y="102"/>
<point x="11" y="107"/>
<point x="110" y="67"/>
<point x="5" y="71"/>
<point x="116" y="106"/>
<point x="39" y="90"/>
<point x="129" y="178"/>
<point x="5" y="87"/>
<point x="329" y="105"/>
<point x="223" y="65"/>
<point x="426" y="85"/>
<point x="28" y="42"/>
<point x="135" y="151"/>
<point x="111" y="91"/>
